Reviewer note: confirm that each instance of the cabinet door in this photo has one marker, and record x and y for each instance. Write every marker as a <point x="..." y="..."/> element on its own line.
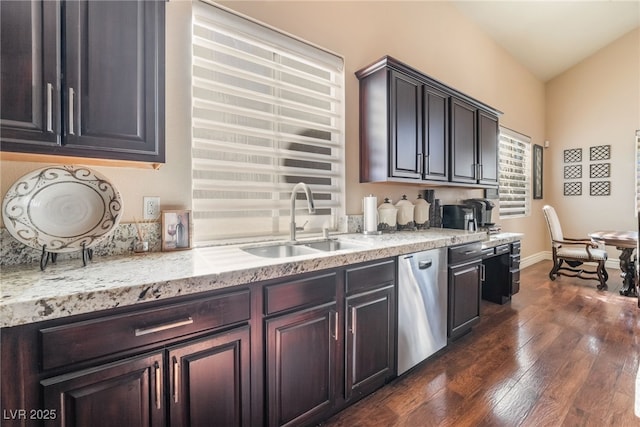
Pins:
<point x="405" y="127"/>
<point x="301" y="351"/>
<point x="488" y="146"/>
<point x="464" y="298"/>
<point x="127" y="393"/>
<point x="113" y="93"/>
<point x="370" y="341"/>
<point x="495" y="287"/>
<point x="209" y="381"/>
<point x="436" y="134"/>
<point x="29" y="70"/>
<point x="463" y="142"/>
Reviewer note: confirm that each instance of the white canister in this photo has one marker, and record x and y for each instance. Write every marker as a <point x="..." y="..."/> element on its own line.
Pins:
<point x="405" y="211"/>
<point x="387" y="215"/>
<point x="421" y="212"/>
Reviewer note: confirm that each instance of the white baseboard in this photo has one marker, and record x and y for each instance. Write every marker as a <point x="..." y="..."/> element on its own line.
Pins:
<point x="544" y="255"/>
<point x="535" y="258"/>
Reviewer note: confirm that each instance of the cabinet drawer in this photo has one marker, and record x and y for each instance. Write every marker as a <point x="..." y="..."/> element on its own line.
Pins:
<point x="515" y="281"/>
<point x="305" y="292"/>
<point x="488" y="253"/>
<point x="515" y="262"/>
<point x="370" y="276"/>
<point x="502" y="249"/>
<point x="515" y="248"/>
<point x="80" y="341"/>
<point x="465" y="253"/>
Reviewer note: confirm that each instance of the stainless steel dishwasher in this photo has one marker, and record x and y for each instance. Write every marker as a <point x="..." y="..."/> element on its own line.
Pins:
<point x="422" y="306"/>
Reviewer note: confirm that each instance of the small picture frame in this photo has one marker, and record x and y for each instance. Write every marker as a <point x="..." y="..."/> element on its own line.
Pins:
<point x="176" y="230"/>
<point x="537" y="171"/>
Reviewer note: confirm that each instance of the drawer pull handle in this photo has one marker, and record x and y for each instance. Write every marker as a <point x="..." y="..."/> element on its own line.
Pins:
<point x="158" y="384"/>
<point x="49" y="107"/>
<point x="163" y="327"/>
<point x="353" y="320"/>
<point x="176" y="379"/>
<point x="71" y="107"/>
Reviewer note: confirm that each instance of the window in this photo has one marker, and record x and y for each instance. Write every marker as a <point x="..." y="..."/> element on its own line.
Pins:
<point x="267" y="113"/>
<point x="514" y="174"/>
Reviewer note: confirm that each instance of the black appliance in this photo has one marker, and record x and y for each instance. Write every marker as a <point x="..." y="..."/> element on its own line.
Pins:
<point x="482" y="210"/>
<point x="453" y="216"/>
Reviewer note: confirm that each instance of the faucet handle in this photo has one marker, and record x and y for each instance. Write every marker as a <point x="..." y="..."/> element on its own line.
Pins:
<point x="325" y="233"/>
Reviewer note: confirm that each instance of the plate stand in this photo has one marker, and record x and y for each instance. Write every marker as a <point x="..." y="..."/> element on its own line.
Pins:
<point x="87" y="254"/>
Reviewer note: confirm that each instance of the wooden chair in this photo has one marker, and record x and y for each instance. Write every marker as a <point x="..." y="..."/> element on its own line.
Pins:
<point x="574" y="252"/>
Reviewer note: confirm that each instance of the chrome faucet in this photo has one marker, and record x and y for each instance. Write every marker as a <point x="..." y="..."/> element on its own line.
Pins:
<point x="312" y="209"/>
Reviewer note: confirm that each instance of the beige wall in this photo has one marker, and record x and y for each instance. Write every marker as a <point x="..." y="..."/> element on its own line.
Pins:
<point x="597" y="102"/>
<point x="431" y="36"/>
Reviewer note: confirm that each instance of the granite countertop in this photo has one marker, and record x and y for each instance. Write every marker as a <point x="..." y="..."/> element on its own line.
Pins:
<point x="29" y="295"/>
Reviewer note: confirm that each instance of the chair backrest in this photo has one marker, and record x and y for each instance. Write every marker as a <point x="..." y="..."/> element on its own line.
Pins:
<point x="555" y="230"/>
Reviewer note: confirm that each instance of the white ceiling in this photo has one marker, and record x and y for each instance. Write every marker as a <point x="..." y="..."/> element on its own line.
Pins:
<point x="549" y="37"/>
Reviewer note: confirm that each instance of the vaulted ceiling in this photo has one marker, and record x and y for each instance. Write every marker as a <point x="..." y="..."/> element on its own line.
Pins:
<point x="549" y="37"/>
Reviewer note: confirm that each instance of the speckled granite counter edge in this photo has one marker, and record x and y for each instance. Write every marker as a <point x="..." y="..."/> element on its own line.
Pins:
<point x="29" y="296"/>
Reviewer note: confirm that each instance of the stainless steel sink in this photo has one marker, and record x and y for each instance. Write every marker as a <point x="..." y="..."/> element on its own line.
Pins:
<point x="332" y="245"/>
<point x="288" y="249"/>
<point x="281" y="250"/>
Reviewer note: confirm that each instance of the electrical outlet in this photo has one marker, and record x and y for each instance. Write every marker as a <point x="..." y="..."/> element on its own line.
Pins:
<point x="151" y="207"/>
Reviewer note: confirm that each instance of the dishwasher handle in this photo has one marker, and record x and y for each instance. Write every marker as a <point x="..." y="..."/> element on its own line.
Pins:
<point x="423" y="265"/>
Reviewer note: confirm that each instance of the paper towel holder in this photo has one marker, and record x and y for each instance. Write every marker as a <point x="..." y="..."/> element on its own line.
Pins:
<point x="375" y="212"/>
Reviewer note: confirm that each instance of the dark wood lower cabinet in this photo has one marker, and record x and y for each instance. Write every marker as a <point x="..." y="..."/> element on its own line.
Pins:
<point x="126" y="393"/>
<point x="279" y="353"/>
<point x="301" y="352"/>
<point x="370" y="338"/>
<point x="464" y="297"/>
<point x="205" y="381"/>
<point x="502" y="273"/>
<point x="209" y="381"/>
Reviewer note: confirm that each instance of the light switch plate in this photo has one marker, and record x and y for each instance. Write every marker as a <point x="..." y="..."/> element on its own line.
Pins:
<point x="151" y="207"/>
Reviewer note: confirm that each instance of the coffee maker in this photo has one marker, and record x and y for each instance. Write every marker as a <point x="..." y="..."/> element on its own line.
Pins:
<point x="456" y="216"/>
<point x="482" y="210"/>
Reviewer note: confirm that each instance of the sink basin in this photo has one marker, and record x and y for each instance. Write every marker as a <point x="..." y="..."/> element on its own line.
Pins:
<point x="281" y="250"/>
<point x="331" y="245"/>
<point x="287" y="249"/>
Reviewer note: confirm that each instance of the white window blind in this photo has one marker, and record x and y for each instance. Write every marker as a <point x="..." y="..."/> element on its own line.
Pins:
<point x="514" y="154"/>
<point x="267" y="113"/>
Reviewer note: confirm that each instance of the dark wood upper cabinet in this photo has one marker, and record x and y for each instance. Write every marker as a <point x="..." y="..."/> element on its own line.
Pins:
<point x="29" y="72"/>
<point x="416" y="129"/>
<point x="86" y="79"/>
<point x="488" y="147"/>
<point x="405" y="126"/>
<point x="464" y="151"/>
<point x="436" y="135"/>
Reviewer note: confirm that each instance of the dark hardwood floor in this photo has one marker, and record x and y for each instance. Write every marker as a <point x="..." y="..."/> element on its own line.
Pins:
<point x="561" y="353"/>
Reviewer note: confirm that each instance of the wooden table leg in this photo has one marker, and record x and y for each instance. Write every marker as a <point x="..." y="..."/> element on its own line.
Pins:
<point x="627" y="272"/>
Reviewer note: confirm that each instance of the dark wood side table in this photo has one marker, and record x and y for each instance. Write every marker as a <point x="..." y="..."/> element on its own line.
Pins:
<point x="626" y="242"/>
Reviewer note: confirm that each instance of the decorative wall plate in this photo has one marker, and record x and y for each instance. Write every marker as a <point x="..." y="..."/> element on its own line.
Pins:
<point x="61" y="208"/>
